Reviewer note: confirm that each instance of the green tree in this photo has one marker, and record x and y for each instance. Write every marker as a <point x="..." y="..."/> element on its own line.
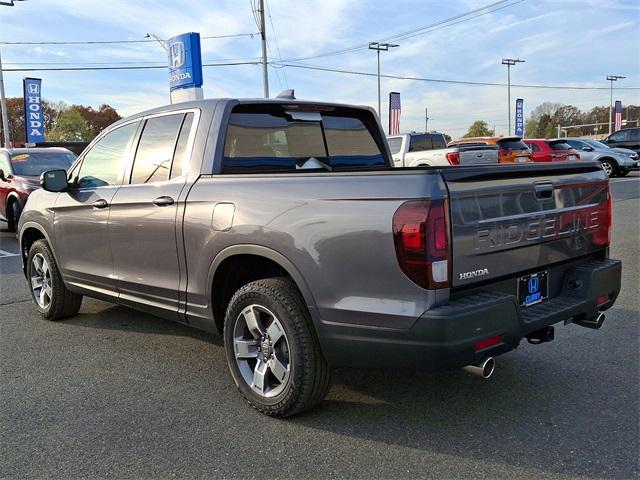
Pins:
<point x="70" y="127"/>
<point x="479" y="128"/>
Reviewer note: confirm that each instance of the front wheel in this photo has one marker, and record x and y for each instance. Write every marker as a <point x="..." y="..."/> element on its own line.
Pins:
<point x="272" y="349"/>
<point x="609" y="168"/>
<point x="49" y="293"/>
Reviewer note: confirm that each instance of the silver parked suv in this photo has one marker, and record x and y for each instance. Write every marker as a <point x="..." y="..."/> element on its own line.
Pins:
<point x="615" y="161"/>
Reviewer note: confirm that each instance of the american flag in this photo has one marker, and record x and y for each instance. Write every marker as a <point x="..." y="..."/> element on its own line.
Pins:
<point x="394" y="113"/>
<point x="618" y="117"/>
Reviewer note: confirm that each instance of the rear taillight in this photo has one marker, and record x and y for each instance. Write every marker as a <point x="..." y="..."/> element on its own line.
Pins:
<point x="422" y="240"/>
<point x="453" y="158"/>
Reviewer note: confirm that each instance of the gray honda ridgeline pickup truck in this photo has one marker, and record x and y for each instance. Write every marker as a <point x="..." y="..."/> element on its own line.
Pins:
<point x="283" y="225"/>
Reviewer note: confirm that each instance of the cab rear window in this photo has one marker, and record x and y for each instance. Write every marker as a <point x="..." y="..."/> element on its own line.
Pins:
<point x="263" y="139"/>
<point x="560" y="146"/>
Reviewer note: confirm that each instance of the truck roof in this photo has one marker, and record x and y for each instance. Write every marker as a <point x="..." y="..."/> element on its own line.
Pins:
<point x="214" y="103"/>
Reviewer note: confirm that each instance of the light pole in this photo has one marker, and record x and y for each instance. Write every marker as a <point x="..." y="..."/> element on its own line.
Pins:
<point x="611" y="79"/>
<point x="509" y="62"/>
<point x="157" y="39"/>
<point x="5" y="120"/>
<point x="380" y="47"/>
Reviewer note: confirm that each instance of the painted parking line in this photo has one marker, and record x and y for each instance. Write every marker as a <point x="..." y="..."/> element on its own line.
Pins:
<point x="5" y="254"/>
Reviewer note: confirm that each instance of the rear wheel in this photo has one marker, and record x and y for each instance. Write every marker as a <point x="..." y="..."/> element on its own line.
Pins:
<point x="272" y="349"/>
<point x="49" y="293"/>
<point x="609" y="167"/>
<point x="623" y="173"/>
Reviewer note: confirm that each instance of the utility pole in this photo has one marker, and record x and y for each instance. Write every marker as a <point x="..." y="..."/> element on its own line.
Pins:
<point x="509" y="62"/>
<point x="426" y="119"/>
<point x="380" y="47"/>
<point x="263" y="38"/>
<point x="5" y="120"/>
<point x="611" y="79"/>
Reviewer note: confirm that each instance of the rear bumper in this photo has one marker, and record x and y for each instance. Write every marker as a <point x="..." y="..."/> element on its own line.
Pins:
<point x="445" y="337"/>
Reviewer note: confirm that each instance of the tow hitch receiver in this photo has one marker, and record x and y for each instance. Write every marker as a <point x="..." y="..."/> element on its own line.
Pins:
<point x="540" y="336"/>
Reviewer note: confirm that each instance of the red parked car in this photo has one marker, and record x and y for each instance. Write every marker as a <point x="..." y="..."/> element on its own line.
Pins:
<point x="545" y="150"/>
<point x="20" y="170"/>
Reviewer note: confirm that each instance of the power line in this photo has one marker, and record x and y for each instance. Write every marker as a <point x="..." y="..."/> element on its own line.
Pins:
<point x="129" y="67"/>
<point x="106" y="42"/>
<point x="438" y="80"/>
<point x="420" y="30"/>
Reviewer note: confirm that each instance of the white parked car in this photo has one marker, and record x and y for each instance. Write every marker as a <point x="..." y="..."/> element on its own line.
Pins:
<point x="430" y="149"/>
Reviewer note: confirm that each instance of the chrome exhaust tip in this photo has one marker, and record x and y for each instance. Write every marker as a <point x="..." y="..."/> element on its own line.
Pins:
<point x="484" y="369"/>
<point x="595" y="322"/>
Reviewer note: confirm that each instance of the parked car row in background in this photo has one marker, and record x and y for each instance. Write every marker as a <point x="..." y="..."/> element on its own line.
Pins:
<point x="417" y="149"/>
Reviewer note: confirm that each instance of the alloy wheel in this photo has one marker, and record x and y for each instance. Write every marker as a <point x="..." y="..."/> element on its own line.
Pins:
<point x="41" y="285"/>
<point x="261" y="351"/>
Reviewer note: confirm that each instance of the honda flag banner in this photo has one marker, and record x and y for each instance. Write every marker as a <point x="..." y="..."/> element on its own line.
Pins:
<point x="33" y="118"/>
<point x="519" y="117"/>
<point x="618" y="118"/>
<point x="394" y="113"/>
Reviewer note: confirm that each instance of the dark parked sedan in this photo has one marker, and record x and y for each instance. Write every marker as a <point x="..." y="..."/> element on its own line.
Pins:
<point x="20" y="170"/>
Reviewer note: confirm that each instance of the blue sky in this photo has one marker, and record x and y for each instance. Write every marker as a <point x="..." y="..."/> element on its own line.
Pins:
<point x="564" y="42"/>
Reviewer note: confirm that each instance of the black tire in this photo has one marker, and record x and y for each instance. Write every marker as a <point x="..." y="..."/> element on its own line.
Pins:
<point x="63" y="303"/>
<point x="310" y="374"/>
<point x="623" y="173"/>
<point x="13" y="215"/>
<point x="609" y="166"/>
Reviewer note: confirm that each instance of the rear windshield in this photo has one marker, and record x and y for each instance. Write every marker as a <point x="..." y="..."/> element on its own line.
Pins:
<point x="427" y="141"/>
<point x="34" y="163"/>
<point x="512" y="144"/>
<point x="271" y="139"/>
<point x="560" y="146"/>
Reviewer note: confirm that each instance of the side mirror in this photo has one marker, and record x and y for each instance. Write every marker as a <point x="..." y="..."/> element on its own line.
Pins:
<point x="587" y="149"/>
<point x="54" y="181"/>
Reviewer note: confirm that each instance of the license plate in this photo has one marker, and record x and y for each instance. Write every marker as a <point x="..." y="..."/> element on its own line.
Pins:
<point x="522" y="159"/>
<point x="533" y="288"/>
<point x="571" y="157"/>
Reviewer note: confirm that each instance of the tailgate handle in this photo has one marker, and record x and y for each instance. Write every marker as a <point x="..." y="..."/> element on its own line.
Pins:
<point x="544" y="190"/>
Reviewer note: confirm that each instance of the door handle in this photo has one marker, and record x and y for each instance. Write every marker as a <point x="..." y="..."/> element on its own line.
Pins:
<point x="163" y="201"/>
<point x="101" y="203"/>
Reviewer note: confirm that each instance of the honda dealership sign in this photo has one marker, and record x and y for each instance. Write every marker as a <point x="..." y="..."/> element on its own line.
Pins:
<point x="33" y="118"/>
<point x="519" y="118"/>
<point x="185" y="62"/>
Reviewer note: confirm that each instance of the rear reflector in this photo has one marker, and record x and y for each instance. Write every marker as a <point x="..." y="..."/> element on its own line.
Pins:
<point x="488" y="342"/>
<point x="422" y="240"/>
<point x="603" y="299"/>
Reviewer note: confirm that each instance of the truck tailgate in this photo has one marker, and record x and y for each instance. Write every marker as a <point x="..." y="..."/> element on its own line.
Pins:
<point x="476" y="154"/>
<point x="509" y="219"/>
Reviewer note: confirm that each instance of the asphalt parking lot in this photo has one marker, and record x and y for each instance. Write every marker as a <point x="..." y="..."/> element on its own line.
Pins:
<point x="120" y="394"/>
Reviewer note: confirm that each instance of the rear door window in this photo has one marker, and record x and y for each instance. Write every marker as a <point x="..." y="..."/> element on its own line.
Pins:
<point x="270" y="139"/>
<point x="154" y="155"/>
<point x="395" y="144"/>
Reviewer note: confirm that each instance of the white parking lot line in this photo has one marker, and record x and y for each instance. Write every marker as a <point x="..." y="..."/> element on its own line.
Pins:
<point x="4" y="254"/>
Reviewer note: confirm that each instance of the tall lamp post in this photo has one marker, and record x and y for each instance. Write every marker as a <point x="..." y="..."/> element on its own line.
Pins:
<point x="380" y="47"/>
<point x="510" y="62"/>
<point x="611" y="79"/>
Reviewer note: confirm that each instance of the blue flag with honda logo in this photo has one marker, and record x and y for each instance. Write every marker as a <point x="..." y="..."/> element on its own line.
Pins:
<point x="519" y="131"/>
<point x="33" y="117"/>
<point x="185" y="61"/>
